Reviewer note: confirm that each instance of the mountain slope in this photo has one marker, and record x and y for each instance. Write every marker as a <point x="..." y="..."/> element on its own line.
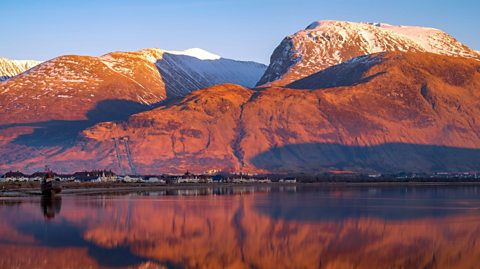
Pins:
<point x="10" y="68"/>
<point x="401" y="112"/>
<point x="327" y="43"/>
<point x="68" y="87"/>
<point x="203" y="70"/>
<point x="44" y="110"/>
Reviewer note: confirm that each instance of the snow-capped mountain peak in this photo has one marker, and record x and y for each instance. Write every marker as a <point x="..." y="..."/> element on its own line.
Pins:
<point x="10" y="68"/>
<point x="328" y="42"/>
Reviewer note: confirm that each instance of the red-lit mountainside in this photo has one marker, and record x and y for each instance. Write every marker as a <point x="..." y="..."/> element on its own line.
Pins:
<point x="385" y="112"/>
<point x="412" y="107"/>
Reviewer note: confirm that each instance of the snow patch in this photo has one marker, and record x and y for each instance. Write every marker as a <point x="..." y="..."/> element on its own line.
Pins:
<point x="197" y="53"/>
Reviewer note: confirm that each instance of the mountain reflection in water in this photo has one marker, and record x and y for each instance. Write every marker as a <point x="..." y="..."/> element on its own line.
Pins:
<point x="294" y="227"/>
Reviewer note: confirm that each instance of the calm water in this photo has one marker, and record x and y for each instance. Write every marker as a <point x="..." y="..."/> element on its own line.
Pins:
<point x="246" y="227"/>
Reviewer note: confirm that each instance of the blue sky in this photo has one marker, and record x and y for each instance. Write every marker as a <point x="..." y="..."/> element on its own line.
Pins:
<point x="246" y="30"/>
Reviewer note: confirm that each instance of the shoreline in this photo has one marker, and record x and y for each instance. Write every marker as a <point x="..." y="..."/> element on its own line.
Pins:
<point x="29" y="189"/>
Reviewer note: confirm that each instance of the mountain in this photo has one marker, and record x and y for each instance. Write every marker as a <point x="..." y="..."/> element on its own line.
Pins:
<point x="386" y="112"/>
<point x="109" y="87"/>
<point x="354" y="97"/>
<point x="326" y="43"/>
<point x="47" y="107"/>
<point x="10" y="68"/>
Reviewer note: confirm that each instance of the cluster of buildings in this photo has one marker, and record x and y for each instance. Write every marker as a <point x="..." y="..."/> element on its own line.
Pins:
<point x="210" y="177"/>
<point x="109" y="176"/>
<point x="78" y="176"/>
<point x="441" y="175"/>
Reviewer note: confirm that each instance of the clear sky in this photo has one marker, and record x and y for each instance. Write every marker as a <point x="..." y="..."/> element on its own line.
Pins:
<point x="238" y="29"/>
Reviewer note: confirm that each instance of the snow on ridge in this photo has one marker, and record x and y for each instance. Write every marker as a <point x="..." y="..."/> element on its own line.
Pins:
<point x="429" y="39"/>
<point x="325" y="43"/>
<point x="197" y="53"/>
<point x="10" y="68"/>
<point x="154" y="54"/>
<point x="328" y="23"/>
<point x="26" y="63"/>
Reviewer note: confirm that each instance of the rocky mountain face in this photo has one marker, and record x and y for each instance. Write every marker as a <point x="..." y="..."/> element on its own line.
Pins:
<point x="385" y="112"/>
<point x="326" y="43"/>
<point x="392" y="111"/>
<point x="404" y="112"/>
<point x="10" y="68"/>
<point x="48" y="106"/>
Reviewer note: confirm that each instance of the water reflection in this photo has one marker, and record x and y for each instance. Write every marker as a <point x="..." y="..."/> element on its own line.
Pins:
<point x="65" y="234"/>
<point x="50" y="205"/>
<point x="217" y="190"/>
<point x="421" y="227"/>
<point x="389" y="203"/>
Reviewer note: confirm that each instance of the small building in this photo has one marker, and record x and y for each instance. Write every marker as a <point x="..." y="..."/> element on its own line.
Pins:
<point x="106" y="178"/>
<point x="95" y="175"/>
<point x="192" y="178"/>
<point x="14" y="176"/>
<point x="288" y="180"/>
<point x="155" y="180"/>
<point x="130" y="179"/>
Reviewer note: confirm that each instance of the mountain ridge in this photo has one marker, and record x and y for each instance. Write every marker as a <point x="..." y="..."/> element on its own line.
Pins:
<point x="405" y="111"/>
<point x="146" y="76"/>
<point x="326" y="43"/>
